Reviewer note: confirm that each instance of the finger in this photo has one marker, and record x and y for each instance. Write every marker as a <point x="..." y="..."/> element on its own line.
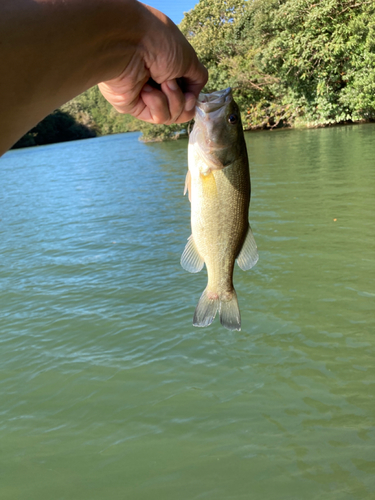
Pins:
<point x="189" y="109"/>
<point x="175" y="99"/>
<point x="122" y="101"/>
<point x="156" y="106"/>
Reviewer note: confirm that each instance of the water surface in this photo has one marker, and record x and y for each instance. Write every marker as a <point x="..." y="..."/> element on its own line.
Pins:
<point x="106" y="388"/>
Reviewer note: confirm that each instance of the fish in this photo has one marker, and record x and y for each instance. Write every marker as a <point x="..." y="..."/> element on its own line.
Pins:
<point x="219" y="188"/>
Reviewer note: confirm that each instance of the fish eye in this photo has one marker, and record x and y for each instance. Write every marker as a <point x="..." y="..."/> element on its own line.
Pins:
<point x="232" y="119"/>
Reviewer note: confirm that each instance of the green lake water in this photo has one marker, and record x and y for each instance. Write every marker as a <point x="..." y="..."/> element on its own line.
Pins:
<point x="107" y="391"/>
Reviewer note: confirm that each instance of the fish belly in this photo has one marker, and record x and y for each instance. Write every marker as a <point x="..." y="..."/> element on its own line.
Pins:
<point x="219" y="219"/>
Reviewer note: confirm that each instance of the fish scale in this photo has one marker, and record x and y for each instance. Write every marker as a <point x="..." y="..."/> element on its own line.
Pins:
<point x="218" y="182"/>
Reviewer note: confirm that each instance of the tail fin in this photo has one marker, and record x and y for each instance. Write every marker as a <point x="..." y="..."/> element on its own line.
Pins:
<point x="207" y="308"/>
<point x="230" y="316"/>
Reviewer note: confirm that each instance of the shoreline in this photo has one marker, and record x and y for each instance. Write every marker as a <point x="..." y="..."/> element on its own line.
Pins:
<point x="184" y="135"/>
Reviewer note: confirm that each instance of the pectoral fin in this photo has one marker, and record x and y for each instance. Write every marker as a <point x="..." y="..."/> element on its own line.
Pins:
<point x="188" y="184"/>
<point x="248" y="256"/>
<point x="191" y="260"/>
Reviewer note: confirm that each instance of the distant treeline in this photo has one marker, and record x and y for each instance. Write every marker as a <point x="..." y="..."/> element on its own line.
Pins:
<point x="88" y="115"/>
<point x="290" y="63"/>
<point x="59" y="126"/>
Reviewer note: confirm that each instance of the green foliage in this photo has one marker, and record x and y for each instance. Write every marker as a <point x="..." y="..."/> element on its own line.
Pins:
<point x="269" y="115"/>
<point x="323" y="54"/>
<point x="210" y="27"/>
<point x="156" y="133"/>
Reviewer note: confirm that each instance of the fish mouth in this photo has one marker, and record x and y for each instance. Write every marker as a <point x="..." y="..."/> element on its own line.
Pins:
<point x="207" y="103"/>
<point x="209" y="109"/>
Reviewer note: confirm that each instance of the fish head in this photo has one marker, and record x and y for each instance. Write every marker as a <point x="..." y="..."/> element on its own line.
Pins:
<point x="217" y="134"/>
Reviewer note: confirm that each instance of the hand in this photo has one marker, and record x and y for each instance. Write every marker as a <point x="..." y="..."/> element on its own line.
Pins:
<point x="165" y="56"/>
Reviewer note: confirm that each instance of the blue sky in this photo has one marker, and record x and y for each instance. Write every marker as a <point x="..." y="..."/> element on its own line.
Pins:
<point x="172" y="8"/>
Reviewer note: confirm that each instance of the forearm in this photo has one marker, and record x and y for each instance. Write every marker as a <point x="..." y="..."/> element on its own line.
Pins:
<point x="53" y="51"/>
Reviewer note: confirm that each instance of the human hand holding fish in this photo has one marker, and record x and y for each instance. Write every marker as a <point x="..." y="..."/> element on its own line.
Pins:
<point x="164" y="77"/>
<point x="218" y="182"/>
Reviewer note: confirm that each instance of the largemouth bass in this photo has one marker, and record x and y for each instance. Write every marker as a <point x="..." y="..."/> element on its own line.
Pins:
<point x="218" y="182"/>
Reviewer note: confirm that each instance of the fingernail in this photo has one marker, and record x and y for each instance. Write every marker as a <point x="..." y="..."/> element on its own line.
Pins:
<point x="172" y="85"/>
<point x="147" y="88"/>
<point x="190" y="104"/>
